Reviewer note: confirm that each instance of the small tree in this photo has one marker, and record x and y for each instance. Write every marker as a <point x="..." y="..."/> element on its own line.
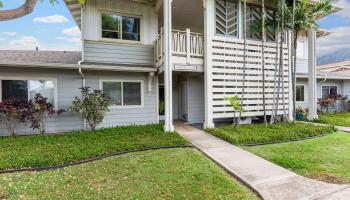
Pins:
<point x="327" y="103"/>
<point x="92" y="106"/>
<point x="37" y="108"/>
<point x="12" y="112"/>
<point x="236" y="105"/>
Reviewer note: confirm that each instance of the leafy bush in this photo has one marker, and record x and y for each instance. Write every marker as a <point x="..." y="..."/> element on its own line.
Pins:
<point x="92" y="106"/>
<point x="37" y="108"/>
<point x="12" y="112"/>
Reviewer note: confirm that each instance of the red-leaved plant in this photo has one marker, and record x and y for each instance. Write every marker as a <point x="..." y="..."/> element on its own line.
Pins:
<point x="37" y="108"/>
<point x="12" y="112"/>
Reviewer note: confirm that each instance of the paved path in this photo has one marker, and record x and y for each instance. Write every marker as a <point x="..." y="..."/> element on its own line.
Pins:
<point x="344" y="129"/>
<point x="267" y="179"/>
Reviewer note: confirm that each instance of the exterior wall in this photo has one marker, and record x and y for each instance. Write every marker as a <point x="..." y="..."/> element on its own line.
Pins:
<point x="107" y="50"/>
<point x="343" y="88"/>
<point x="68" y="82"/>
<point x="195" y="99"/>
<point x="302" y="53"/>
<point x="100" y="52"/>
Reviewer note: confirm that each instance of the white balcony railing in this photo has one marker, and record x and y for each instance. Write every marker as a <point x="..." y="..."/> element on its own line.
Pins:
<point x="185" y="44"/>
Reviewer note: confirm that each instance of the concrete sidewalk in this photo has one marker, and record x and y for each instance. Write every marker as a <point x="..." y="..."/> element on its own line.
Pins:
<point x="267" y="179"/>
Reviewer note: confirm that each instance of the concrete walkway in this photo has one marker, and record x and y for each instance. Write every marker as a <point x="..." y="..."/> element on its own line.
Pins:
<point x="344" y="129"/>
<point x="267" y="179"/>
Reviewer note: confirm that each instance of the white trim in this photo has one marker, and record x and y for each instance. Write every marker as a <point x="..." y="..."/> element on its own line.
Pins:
<point x="29" y="78"/>
<point x="122" y="41"/>
<point x="122" y="101"/>
<point x="296" y="93"/>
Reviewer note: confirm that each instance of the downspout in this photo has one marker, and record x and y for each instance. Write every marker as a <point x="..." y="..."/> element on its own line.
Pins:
<point x="324" y="79"/>
<point x="83" y="85"/>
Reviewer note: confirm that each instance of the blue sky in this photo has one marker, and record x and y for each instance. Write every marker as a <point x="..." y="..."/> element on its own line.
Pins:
<point x="53" y="28"/>
<point x="48" y="27"/>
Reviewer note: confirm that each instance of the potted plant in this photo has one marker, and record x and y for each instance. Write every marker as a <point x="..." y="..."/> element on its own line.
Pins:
<point x="300" y="113"/>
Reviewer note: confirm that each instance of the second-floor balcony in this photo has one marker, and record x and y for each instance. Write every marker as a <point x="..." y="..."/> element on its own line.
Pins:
<point x="187" y="50"/>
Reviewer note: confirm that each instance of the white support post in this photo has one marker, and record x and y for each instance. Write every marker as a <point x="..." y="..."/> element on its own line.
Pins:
<point x="312" y="79"/>
<point x="168" y="79"/>
<point x="208" y="39"/>
<point x="188" y="45"/>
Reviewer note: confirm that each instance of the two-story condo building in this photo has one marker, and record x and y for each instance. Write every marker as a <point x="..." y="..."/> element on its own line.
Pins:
<point x="159" y="60"/>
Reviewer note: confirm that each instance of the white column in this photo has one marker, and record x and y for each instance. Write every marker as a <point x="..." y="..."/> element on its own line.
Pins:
<point x="312" y="79"/>
<point x="208" y="38"/>
<point x="168" y="76"/>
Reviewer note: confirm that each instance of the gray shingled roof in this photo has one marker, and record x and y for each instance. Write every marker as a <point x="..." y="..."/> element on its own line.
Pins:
<point x="63" y="57"/>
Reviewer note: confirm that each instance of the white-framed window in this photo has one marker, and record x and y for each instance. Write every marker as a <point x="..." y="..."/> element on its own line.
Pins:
<point x="120" y="27"/>
<point x="227" y="17"/>
<point x="300" y="93"/>
<point x="123" y="93"/>
<point x="24" y="89"/>
<point x="329" y="90"/>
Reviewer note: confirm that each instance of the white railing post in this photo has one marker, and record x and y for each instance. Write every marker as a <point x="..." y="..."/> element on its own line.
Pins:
<point x="188" y="45"/>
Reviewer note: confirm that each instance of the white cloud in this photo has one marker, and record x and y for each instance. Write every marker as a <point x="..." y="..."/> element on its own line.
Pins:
<point x="346" y="9"/>
<point x="73" y="31"/>
<point x="23" y="43"/>
<point x="53" y="19"/>
<point x="338" y="39"/>
<point x="10" y="33"/>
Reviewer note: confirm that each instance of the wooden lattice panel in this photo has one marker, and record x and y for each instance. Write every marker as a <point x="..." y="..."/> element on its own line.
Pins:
<point x="227" y="76"/>
<point x="226" y="17"/>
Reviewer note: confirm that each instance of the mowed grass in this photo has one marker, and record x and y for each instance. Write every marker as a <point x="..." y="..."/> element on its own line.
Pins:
<point x="259" y="133"/>
<point x="160" y="174"/>
<point x="44" y="150"/>
<point x="325" y="158"/>
<point x="336" y="119"/>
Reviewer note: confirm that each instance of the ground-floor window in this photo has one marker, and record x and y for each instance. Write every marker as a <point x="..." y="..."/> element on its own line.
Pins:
<point x="123" y="93"/>
<point x="329" y="91"/>
<point x="300" y="93"/>
<point x="24" y="90"/>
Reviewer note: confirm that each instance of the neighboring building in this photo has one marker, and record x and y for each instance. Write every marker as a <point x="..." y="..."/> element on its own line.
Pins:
<point x="188" y="54"/>
<point x="332" y="79"/>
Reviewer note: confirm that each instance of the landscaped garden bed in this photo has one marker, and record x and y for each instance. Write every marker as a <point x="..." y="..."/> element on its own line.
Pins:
<point x="160" y="174"/>
<point x="260" y="134"/>
<point x="49" y="150"/>
<point x="325" y="158"/>
<point x="336" y="119"/>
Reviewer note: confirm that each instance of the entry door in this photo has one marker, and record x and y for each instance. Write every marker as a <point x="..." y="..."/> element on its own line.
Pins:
<point x="183" y="103"/>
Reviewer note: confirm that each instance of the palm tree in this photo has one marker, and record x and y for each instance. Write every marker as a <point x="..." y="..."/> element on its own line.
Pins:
<point x="304" y="17"/>
<point x="244" y="52"/>
<point x="263" y="56"/>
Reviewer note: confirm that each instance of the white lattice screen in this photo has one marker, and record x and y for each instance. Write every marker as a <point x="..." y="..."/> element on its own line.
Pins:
<point x="226" y="17"/>
<point x="227" y="77"/>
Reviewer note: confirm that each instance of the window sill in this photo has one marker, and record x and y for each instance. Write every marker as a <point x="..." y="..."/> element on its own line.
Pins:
<point x="125" y="107"/>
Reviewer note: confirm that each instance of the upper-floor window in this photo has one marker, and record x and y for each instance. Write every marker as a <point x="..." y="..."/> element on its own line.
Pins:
<point x="302" y="46"/>
<point x="226" y="19"/>
<point x="120" y="27"/>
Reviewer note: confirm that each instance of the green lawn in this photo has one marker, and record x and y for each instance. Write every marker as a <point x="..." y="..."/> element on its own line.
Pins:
<point x="326" y="158"/>
<point x="259" y="133"/>
<point x="160" y="174"/>
<point x="43" y="150"/>
<point x="336" y="119"/>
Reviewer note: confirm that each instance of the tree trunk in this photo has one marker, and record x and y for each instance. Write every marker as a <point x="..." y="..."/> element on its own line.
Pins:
<point x="244" y="52"/>
<point x="263" y="57"/>
<point x="273" y="117"/>
<point x="295" y="42"/>
<point x="21" y="11"/>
